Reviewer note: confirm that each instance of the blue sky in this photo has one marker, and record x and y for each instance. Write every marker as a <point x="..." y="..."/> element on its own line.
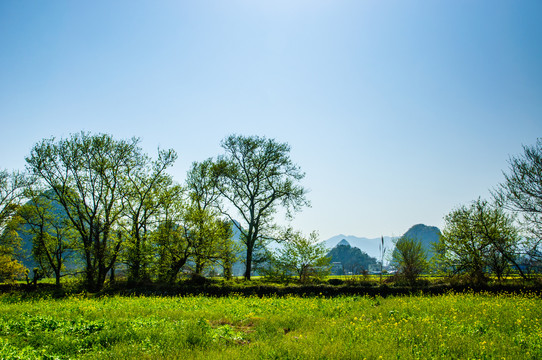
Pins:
<point x="398" y="111"/>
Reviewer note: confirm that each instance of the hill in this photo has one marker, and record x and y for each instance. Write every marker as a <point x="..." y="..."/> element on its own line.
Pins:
<point x="427" y="235"/>
<point x="369" y="246"/>
<point x="349" y="260"/>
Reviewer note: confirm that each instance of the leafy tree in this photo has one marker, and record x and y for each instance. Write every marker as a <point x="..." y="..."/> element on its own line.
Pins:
<point x="12" y="186"/>
<point x="10" y="268"/>
<point x="171" y="244"/>
<point x="53" y="238"/>
<point x="88" y="175"/>
<point x="409" y="258"/>
<point x="210" y="235"/>
<point x="228" y="250"/>
<point x="255" y="176"/>
<point x="145" y="183"/>
<point x="473" y="236"/>
<point x="521" y="192"/>
<point x="302" y="256"/>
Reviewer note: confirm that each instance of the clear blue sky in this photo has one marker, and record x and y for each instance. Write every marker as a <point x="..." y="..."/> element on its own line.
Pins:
<point x="398" y="111"/>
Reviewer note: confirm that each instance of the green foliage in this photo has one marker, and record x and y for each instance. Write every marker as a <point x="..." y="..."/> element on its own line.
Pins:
<point x="88" y="174"/>
<point x="255" y="176"/>
<point x="428" y="236"/>
<point x="303" y="256"/>
<point x="53" y="238"/>
<point x="409" y="259"/>
<point x="10" y="269"/>
<point x="209" y="234"/>
<point x="146" y="183"/>
<point x="478" y="239"/>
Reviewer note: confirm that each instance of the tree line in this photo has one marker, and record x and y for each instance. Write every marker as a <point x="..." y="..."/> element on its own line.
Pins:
<point x="94" y="204"/>
<point x="105" y="202"/>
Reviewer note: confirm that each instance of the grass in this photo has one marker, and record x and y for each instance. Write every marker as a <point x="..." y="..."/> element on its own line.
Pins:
<point x="457" y="326"/>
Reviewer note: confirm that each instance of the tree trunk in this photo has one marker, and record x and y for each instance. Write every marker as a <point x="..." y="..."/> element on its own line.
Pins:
<point x="248" y="262"/>
<point x="227" y="268"/>
<point x="174" y="270"/>
<point x="57" y="277"/>
<point x="112" y="275"/>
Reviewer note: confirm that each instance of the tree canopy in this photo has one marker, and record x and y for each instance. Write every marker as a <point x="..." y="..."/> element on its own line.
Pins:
<point x="255" y="176"/>
<point x="478" y="238"/>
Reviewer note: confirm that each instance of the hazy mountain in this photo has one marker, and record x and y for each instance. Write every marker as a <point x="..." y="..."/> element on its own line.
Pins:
<point x="351" y="259"/>
<point x="369" y="246"/>
<point x="426" y="234"/>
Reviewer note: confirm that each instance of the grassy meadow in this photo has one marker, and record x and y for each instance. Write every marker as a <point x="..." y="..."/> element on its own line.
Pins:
<point x="451" y="326"/>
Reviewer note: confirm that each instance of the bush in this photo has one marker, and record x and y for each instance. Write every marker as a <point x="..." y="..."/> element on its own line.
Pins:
<point x="335" y="282"/>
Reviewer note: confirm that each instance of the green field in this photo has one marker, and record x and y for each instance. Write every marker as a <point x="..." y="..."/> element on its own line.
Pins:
<point x="461" y="326"/>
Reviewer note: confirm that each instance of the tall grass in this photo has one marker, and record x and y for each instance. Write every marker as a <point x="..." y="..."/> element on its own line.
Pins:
<point x="460" y="326"/>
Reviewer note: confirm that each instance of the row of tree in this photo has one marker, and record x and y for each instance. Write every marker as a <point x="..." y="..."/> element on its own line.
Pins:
<point x="105" y="202"/>
<point x="488" y="237"/>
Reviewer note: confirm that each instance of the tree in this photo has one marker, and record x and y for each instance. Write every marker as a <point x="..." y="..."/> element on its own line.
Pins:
<point x="209" y="234"/>
<point x="53" y="238"/>
<point x="88" y="174"/>
<point x="409" y="258"/>
<point x="10" y="268"/>
<point x="145" y="183"/>
<point x="521" y="192"/>
<point x="171" y="244"/>
<point x="474" y="236"/>
<point x="12" y="186"/>
<point x="256" y="176"/>
<point x="303" y="256"/>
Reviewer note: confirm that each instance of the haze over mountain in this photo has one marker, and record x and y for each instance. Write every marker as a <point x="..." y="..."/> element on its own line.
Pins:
<point x="426" y="234"/>
<point x="369" y="246"/>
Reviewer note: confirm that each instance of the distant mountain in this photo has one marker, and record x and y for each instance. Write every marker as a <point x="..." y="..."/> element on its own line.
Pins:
<point x="427" y="235"/>
<point x="343" y="242"/>
<point x="369" y="246"/>
<point x="349" y="260"/>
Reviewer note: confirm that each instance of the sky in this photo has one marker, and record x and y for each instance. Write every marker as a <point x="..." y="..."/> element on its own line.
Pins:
<point x="397" y="111"/>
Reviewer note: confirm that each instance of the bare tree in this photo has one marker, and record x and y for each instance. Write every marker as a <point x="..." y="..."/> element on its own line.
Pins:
<point x="521" y="192"/>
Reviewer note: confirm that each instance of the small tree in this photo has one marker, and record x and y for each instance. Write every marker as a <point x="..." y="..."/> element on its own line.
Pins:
<point x="53" y="238"/>
<point x="303" y="256"/>
<point x="478" y="238"/>
<point x="409" y="258"/>
<point x="12" y="186"/>
<point x="10" y="251"/>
